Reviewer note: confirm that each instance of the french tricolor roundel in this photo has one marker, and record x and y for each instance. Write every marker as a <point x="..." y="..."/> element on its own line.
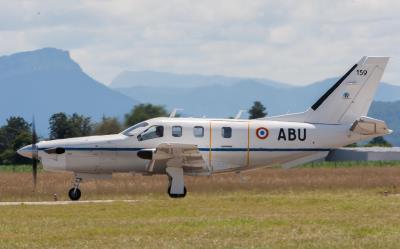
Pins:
<point x="262" y="133"/>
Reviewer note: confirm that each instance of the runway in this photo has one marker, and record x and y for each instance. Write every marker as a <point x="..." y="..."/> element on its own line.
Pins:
<point x="17" y="203"/>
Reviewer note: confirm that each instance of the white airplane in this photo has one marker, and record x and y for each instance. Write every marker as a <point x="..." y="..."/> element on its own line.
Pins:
<point x="202" y="146"/>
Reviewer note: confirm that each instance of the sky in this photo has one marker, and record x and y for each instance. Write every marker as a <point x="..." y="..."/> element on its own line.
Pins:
<point x="297" y="42"/>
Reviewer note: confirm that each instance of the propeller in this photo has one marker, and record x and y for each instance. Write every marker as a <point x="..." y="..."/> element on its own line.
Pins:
<point x="34" y="154"/>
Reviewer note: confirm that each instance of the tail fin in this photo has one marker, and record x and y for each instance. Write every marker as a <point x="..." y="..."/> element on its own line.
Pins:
<point x="349" y="98"/>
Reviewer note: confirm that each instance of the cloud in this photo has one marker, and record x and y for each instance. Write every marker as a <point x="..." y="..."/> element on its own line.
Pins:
<point x="282" y="35"/>
<point x="292" y="41"/>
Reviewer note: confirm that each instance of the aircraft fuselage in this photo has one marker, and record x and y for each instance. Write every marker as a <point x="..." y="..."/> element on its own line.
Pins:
<point x="225" y="144"/>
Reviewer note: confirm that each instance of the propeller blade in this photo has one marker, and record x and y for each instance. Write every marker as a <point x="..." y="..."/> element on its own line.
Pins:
<point x="34" y="154"/>
<point x="34" y="172"/>
<point x="34" y="135"/>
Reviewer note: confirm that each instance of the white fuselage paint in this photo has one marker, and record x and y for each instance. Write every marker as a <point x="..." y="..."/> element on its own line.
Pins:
<point x="243" y="151"/>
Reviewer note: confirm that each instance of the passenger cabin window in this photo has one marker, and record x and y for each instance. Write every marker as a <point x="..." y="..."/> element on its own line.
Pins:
<point x="132" y="130"/>
<point x="152" y="132"/>
<point x="198" y="131"/>
<point x="176" y="131"/>
<point x="226" y="132"/>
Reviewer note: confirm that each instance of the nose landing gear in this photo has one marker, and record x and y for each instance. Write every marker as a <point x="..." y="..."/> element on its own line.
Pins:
<point x="75" y="193"/>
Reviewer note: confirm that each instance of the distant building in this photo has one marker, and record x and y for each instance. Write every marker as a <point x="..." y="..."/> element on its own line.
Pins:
<point x="365" y="154"/>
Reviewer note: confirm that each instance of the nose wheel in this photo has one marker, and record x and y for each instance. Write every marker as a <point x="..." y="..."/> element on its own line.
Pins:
<point x="75" y="193"/>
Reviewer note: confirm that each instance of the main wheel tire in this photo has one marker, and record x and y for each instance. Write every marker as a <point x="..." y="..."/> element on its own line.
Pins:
<point x="177" y="195"/>
<point x="74" y="194"/>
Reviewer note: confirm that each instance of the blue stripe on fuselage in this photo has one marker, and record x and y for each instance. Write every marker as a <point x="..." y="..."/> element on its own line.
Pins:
<point x="264" y="149"/>
<point x="219" y="149"/>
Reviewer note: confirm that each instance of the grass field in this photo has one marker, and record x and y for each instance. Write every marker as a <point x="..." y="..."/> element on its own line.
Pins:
<point x="356" y="207"/>
<point x="322" y="164"/>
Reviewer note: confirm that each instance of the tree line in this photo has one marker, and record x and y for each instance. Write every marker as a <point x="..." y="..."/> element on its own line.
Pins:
<point x="17" y="132"/>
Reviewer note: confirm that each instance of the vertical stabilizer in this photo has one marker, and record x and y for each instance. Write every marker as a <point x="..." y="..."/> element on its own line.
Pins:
<point x="349" y="98"/>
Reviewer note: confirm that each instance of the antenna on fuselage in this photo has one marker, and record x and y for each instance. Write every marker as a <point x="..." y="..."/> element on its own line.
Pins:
<point x="174" y="111"/>
<point x="239" y="114"/>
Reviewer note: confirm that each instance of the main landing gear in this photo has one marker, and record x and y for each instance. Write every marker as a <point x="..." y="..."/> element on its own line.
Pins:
<point x="75" y="193"/>
<point x="176" y="195"/>
<point x="176" y="187"/>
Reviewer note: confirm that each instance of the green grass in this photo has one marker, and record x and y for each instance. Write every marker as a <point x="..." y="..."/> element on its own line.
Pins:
<point x="345" y="164"/>
<point x="243" y="219"/>
<point x="325" y="207"/>
<point x="18" y="168"/>
<point x="349" y="164"/>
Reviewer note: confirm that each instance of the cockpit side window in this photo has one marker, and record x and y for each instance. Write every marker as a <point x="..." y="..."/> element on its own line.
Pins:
<point x="132" y="130"/>
<point x="151" y="132"/>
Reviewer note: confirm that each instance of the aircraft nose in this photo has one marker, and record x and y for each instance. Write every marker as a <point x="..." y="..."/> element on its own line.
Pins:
<point x="26" y="151"/>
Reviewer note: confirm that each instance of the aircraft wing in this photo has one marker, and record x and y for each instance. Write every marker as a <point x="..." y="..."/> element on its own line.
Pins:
<point x="186" y="156"/>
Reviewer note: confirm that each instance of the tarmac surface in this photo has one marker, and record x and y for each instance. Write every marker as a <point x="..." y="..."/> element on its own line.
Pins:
<point x="17" y="203"/>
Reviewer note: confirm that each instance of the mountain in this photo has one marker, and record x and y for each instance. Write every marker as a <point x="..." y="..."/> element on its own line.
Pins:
<point x="46" y="81"/>
<point x="164" y="79"/>
<point x="385" y="92"/>
<point x="222" y="100"/>
<point x="390" y="112"/>
<point x="130" y="80"/>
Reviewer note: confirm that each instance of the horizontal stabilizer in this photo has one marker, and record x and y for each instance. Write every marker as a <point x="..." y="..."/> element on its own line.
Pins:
<point x="370" y="126"/>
